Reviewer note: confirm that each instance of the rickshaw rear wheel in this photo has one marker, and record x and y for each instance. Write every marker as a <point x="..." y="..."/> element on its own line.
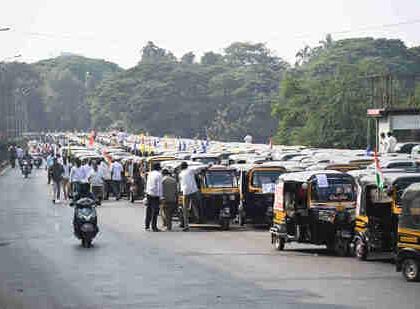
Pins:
<point x="410" y="270"/>
<point x="279" y="243"/>
<point x="361" y="250"/>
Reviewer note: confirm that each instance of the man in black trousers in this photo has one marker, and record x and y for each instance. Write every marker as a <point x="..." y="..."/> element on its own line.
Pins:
<point x="154" y="195"/>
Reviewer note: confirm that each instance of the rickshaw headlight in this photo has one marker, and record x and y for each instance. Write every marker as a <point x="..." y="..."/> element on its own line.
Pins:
<point x="232" y="197"/>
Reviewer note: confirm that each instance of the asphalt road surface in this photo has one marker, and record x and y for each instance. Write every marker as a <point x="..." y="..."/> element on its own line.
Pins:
<point x="42" y="265"/>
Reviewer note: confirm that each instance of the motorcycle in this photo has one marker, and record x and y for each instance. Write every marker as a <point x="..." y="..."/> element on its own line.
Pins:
<point x="26" y="168"/>
<point x="85" y="222"/>
<point x="38" y="162"/>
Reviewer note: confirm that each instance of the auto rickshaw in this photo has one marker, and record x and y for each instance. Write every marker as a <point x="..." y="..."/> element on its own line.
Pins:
<point x="377" y="214"/>
<point x="257" y="185"/>
<point x="316" y="207"/>
<point x="408" y="248"/>
<point x="135" y="182"/>
<point x="218" y="199"/>
<point x="156" y="159"/>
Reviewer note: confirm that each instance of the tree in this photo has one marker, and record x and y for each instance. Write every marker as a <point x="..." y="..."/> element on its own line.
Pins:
<point x="188" y="58"/>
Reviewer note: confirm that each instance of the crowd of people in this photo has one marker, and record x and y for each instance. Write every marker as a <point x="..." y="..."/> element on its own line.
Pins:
<point x="387" y="143"/>
<point x="106" y="178"/>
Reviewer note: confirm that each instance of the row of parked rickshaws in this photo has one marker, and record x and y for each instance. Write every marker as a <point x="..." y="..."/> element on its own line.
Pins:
<point x="337" y="204"/>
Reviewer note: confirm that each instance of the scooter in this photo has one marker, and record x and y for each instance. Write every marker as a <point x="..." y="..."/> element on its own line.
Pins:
<point x="26" y="168"/>
<point x="38" y="162"/>
<point x="85" y="222"/>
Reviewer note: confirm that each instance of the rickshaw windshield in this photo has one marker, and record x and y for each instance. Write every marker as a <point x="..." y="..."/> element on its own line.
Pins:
<point x="260" y="178"/>
<point x="221" y="179"/>
<point x="327" y="188"/>
<point x="402" y="184"/>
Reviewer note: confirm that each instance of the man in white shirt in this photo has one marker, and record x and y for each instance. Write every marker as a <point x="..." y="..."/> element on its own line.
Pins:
<point x="87" y="169"/>
<point x="106" y="173"/>
<point x="97" y="182"/>
<point x="154" y="195"/>
<point x="116" y="177"/>
<point x="248" y="139"/>
<point x="391" y="143"/>
<point x="189" y="190"/>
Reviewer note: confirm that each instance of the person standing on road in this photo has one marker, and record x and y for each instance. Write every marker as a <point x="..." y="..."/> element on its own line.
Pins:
<point x="66" y="178"/>
<point x="170" y="198"/>
<point x="189" y="191"/>
<point x="12" y="155"/>
<point x="96" y="180"/>
<point x="383" y="143"/>
<point x="154" y="194"/>
<point x="76" y="177"/>
<point x="57" y="172"/>
<point x="50" y="162"/>
<point x="106" y="173"/>
<point x="391" y="143"/>
<point x="116" y="177"/>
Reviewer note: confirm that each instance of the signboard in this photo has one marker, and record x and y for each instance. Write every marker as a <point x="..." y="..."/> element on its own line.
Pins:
<point x="278" y="196"/>
<point x="268" y="187"/>
<point x="377" y="112"/>
<point x="405" y="122"/>
<point x="322" y="181"/>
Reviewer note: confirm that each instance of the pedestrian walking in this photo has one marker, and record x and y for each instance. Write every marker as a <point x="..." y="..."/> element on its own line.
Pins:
<point x="116" y="177"/>
<point x="189" y="191"/>
<point x="66" y="178"/>
<point x="12" y="155"/>
<point x="154" y="194"/>
<point x="50" y="162"/>
<point x="170" y="198"/>
<point x="56" y="177"/>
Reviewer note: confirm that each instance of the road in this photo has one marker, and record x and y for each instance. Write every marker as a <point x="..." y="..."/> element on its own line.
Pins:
<point x="42" y="265"/>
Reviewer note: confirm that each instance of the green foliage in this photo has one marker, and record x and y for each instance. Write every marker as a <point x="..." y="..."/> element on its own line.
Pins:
<point x="323" y="100"/>
<point x="225" y="96"/>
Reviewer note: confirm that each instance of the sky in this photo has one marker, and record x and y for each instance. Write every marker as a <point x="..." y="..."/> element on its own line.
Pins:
<point x="117" y="30"/>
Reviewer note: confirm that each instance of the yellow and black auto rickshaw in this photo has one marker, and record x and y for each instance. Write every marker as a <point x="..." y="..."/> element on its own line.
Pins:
<point x="316" y="207"/>
<point x="408" y="248"/>
<point x="257" y="185"/>
<point x="377" y="214"/>
<point x="219" y="196"/>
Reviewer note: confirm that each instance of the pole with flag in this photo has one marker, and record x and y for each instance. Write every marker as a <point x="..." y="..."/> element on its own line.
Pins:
<point x="379" y="176"/>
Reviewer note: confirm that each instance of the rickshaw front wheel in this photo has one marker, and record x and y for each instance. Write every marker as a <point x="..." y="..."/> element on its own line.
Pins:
<point x="279" y="243"/>
<point x="410" y="270"/>
<point x="361" y="250"/>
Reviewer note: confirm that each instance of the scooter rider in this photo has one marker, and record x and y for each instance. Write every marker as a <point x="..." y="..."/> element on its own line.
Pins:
<point x="83" y="191"/>
<point x="27" y="157"/>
